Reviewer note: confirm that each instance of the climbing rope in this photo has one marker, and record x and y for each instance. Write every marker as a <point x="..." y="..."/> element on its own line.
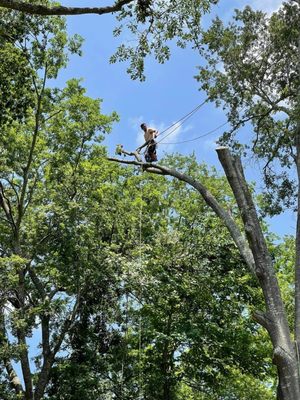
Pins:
<point x="182" y="120"/>
<point x="197" y="137"/>
<point x="201" y="136"/>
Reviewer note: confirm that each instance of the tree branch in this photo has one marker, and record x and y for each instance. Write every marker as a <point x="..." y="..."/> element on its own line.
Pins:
<point x="49" y="355"/>
<point x="262" y="318"/>
<point x="31" y="152"/>
<point x="38" y="9"/>
<point x="5" y="205"/>
<point x="210" y="200"/>
<point x="12" y="375"/>
<point x="24" y="358"/>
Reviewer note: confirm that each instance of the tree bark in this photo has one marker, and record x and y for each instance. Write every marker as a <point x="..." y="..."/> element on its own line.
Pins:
<point x="297" y="241"/>
<point x="297" y="245"/>
<point x="38" y="9"/>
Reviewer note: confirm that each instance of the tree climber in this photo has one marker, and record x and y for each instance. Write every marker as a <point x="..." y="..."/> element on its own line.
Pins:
<point x="149" y="135"/>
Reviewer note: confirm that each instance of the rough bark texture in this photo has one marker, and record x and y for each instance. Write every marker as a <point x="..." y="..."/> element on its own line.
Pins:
<point x="38" y="9"/>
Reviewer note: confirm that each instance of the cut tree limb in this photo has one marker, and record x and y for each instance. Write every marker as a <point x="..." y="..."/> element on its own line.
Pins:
<point x="210" y="200"/>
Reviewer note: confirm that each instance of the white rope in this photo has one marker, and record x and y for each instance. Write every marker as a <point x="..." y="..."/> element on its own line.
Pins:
<point x="182" y="120"/>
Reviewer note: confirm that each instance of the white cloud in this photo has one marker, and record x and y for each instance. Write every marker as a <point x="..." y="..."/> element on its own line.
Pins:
<point x="269" y="6"/>
<point x="171" y="136"/>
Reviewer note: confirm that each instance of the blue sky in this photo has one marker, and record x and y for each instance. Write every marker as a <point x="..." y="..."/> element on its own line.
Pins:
<point x="169" y="92"/>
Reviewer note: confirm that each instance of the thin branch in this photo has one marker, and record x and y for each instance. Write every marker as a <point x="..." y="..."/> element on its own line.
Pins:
<point x="52" y="115"/>
<point x="135" y="154"/>
<point x="5" y="205"/>
<point x="30" y="194"/>
<point x="55" y="291"/>
<point x="32" y="148"/>
<point x="13" y="188"/>
<point x="37" y="282"/>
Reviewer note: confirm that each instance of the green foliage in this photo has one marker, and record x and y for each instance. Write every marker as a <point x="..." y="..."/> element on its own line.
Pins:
<point x="252" y="69"/>
<point x="181" y="326"/>
<point x="284" y="255"/>
<point x="153" y="25"/>
<point x="29" y="44"/>
<point x="15" y="84"/>
<point x="132" y="285"/>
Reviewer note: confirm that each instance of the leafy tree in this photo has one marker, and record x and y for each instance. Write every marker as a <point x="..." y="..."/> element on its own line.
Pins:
<point x="192" y="324"/>
<point x="69" y="229"/>
<point x="252" y="69"/>
<point x="152" y="23"/>
<point x="16" y="75"/>
<point x="45" y="158"/>
<point x="257" y="255"/>
<point x="179" y="323"/>
<point x="259" y="82"/>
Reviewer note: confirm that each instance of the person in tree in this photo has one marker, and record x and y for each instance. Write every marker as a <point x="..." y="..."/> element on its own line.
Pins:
<point x="149" y="135"/>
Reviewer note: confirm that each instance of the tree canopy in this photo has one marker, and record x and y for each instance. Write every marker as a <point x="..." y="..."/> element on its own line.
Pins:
<point x="252" y="70"/>
<point x="118" y="284"/>
<point x="153" y="25"/>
